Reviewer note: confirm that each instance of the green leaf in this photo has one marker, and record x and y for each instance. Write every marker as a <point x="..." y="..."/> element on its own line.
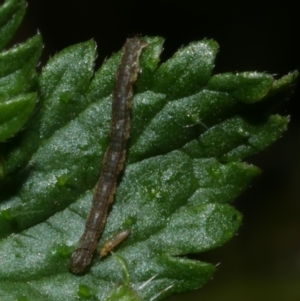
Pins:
<point x="17" y="85"/>
<point x="187" y="70"/>
<point x="177" y="225"/>
<point x="237" y="138"/>
<point x="246" y="87"/>
<point x="18" y="79"/>
<point x="11" y="15"/>
<point x="181" y="173"/>
<point x="14" y="113"/>
<point x="63" y="83"/>
<point x="287" y="80"/>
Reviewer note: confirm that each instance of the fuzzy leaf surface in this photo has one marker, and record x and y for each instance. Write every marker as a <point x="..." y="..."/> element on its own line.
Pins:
<point x="11" y="15"/>
<point x="18" y="82"/>
<point x="182" y="170"/>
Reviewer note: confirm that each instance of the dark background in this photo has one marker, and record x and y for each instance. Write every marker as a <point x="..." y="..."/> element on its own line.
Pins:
<point x="262" y="262"/>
